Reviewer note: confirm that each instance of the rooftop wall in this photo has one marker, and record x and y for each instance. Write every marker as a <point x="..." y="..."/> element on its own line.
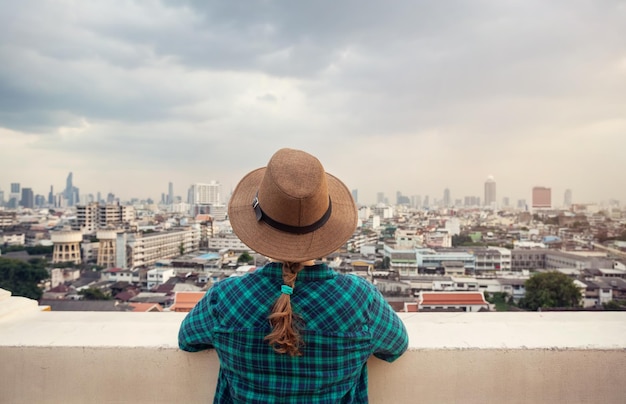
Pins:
<point x="78" y="357"/>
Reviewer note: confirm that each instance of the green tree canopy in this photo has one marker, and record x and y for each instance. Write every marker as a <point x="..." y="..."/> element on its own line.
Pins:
<point x="22" y="278"/>
<point x="94" y="294"/>
<point x="550" y="289"/>
<point x="245" y="257"/>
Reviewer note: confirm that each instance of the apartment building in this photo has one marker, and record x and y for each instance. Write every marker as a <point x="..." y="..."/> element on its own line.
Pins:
<point x="94" y="216"/>
<point x="227" y="242"/>
<point x="425" y="260"/>
<point x="147" y="249"/>
<point x="541" y="258"/>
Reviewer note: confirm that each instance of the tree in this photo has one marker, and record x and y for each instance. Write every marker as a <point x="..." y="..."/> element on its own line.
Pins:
<point x="245" y="257"/>
<point x="94" y="294"/>
<point x="612" y="305"/>
<point x="550" y="289"/>
<point x="22" y="278"/>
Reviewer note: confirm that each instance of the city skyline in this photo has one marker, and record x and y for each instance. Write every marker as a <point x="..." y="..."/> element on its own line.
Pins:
<point x="559" y="199"/>
<point x="414" y="98"/>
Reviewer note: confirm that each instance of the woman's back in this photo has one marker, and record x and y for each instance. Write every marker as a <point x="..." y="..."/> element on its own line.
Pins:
<point x="343" y="321"/>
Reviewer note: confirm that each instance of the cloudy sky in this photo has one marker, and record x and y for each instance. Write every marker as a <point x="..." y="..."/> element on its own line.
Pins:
<point x="390" y="95"/>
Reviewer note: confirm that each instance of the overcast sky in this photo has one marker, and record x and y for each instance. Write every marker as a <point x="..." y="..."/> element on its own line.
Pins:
<point x="391" y="96"/>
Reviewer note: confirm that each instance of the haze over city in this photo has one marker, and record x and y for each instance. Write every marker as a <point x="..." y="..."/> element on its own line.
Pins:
<point x="415" y="98"/>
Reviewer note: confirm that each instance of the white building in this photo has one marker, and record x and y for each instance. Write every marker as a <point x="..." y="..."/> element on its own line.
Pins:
<point x="94" y="216"/>
<point x="205" y="194"/>
<point x="147" y="249"/>
<point x="159" y="276"/>
<point x="492" y="259"/>
<point x="12" y="238"/>
<point x="227" y="242"/>
<point x="440" y="238"/>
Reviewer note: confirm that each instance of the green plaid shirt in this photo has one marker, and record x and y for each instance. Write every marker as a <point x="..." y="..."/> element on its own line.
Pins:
<point x="346" y="320"/>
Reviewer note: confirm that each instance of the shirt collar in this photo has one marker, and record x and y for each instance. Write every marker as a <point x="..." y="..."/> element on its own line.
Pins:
<point x="312" y="273"/>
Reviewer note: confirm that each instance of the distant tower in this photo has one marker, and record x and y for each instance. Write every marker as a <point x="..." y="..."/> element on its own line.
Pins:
<point x="542" y="198"/>
<point x="490" y="192"/>
<point x="380" y="197"/>
<point x="355" y="195"/>
<point x="567" y="200"/>
<point x="28" y="199"/>
<point x="446" y="197"/>
<point x="170" y="194"/>
<point x="69" y="190"/>
<point x="51" y="196"/>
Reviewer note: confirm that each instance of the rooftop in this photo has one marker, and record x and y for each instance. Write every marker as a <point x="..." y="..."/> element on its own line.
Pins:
<point x="496" y="357"/>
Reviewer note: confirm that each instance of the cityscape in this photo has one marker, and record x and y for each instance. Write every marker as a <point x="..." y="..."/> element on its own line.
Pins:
<point x="483" y="144"/>
<point x="98" y="247"/>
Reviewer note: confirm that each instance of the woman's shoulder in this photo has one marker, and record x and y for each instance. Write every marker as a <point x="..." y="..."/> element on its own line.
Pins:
<point x="355" y="282"/>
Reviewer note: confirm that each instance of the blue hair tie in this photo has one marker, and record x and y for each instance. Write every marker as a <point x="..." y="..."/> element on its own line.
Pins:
<point x="286" y="289"/>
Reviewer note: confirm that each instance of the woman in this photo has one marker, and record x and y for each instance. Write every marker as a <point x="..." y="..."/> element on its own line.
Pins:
<point x="293" y="331"/>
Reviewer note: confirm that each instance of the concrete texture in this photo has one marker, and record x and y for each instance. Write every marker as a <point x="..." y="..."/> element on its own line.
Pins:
<point x="78" y="357"/>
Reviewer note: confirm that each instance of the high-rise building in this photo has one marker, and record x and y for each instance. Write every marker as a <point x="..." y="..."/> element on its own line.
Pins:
<point x="416" y="201"/>
<point x="567" y="199"/>
<point x="205" y="194"/>
<point x="355" y="195"/>
<point x="380" y="197"/>
<point x="1" y="198"/>
<point x="446" y="197"/>
<point x="542" y="197"/>
<point x="51" y="196"/>
<point x="426" y="202"/>
<point x="28" y="198"/>
<point x="490" y="192"/>
<point x="71" y="193"/>
<point x="40" y="200"/>
<point x="15" y="196"/>
<point x="170" y="193"/>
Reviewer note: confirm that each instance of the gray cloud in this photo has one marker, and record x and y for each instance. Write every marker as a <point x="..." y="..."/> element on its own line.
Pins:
<point x="181" y="87"/>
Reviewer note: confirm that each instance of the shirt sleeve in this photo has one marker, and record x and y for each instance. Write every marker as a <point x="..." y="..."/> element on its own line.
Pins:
<point x="195" y="333"/>
<point x="389" y="336"/>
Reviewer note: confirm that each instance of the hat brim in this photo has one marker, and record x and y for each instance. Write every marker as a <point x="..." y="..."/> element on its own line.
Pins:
<point x="283" y="246"/>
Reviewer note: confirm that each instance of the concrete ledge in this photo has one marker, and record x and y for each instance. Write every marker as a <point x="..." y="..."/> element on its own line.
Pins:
<point x="51" y="357"/>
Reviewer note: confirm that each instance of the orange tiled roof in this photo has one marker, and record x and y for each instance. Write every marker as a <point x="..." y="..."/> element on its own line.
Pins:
<point x="145" y="307"/>
<point x="185" y="301"/>
<point x="452" y="298"/>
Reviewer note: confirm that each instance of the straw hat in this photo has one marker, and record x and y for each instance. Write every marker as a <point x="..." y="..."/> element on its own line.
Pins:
<point x="292" y="210"/>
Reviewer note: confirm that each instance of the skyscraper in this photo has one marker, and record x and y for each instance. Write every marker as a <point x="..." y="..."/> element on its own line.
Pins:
<point x="205" y="194"/>
<point x="542" y="197"/>
<point x="567" y="199"/>
<point x="14" y="196"/>
<point x="51" y="196"/>
<point x="490" y="192"/>
<point x="380" y="197"/>
<point x="446" y="197"/>
<point x="28" y="198"/>
<point x="355" y="195"/>
<point x="71" y="192"/>
<point x="170" y="194"/>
